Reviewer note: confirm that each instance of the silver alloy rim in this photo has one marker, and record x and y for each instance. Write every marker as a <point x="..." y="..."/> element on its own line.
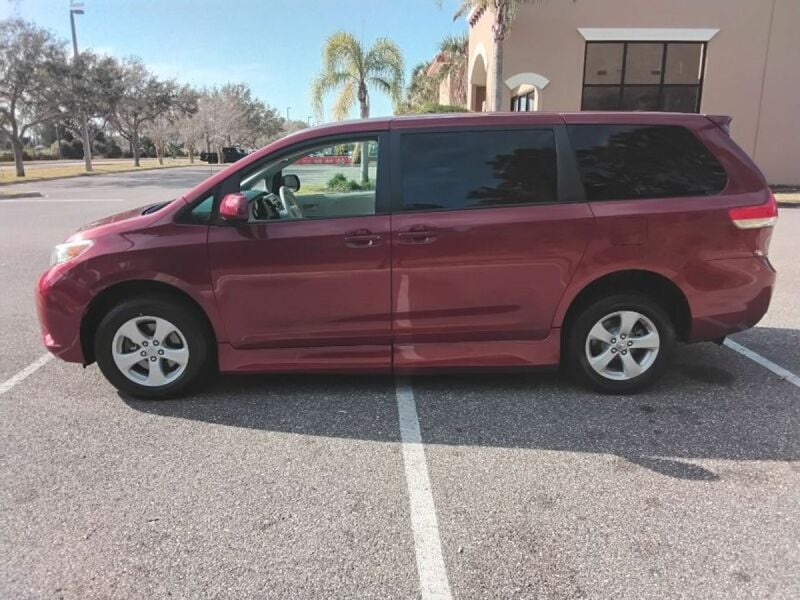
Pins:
<point x="150" y="351"/>
<point x="622" y="345"/>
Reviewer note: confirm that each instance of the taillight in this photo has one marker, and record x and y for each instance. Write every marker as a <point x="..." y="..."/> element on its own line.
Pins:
<point x="755" y="217"/>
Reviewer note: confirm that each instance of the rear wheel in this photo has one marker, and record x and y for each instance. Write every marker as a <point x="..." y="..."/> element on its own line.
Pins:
<point x="153" y="347"/>
<point x="620" y="344"/>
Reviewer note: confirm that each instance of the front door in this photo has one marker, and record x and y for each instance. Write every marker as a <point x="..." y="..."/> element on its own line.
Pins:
<point x="483" y="247"/>
<point x="311" y="267"/>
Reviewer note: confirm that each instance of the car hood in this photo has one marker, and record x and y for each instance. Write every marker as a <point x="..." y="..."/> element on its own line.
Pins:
<point x="125" y="220"/>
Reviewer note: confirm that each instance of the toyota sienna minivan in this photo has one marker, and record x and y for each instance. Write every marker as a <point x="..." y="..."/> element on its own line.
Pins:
<point x="594" y="240"/>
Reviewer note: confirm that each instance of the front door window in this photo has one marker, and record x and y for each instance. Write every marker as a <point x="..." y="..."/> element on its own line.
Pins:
<point x="334" y="180"/>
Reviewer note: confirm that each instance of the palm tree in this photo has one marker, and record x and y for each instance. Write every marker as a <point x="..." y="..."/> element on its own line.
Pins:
<point x="503" y="13"/>
<point x="422" y="89"/>
<point x="454" y="51"/>
<point x="351" y="70"/>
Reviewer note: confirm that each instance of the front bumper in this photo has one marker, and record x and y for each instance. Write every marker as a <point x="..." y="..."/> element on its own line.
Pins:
<point x="61" y="304"/>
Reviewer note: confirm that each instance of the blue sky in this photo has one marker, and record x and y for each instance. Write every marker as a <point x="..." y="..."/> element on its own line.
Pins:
<point x="272" y="45"/>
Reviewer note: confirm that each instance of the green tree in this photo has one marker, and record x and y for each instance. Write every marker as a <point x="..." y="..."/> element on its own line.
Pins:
<point x="351" y="70"/>
<point x="91" y="92"/>
<point x="454" y="52"/>
<point x="32" y="63"/>
<point x="422" y="89"/>
<point x="503" y="13"/>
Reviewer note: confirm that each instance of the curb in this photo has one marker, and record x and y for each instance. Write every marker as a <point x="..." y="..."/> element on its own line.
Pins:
<point x="134" y="170"/>
<point x="788" y="204"/>
<point x="13" y="195"/>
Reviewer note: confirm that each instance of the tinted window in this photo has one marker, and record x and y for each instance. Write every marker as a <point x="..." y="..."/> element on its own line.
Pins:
<point x="478" y="168"/>
<point x="643" y="76"/>
<point x="201" y="212"/>
<point x="619" y="162"/>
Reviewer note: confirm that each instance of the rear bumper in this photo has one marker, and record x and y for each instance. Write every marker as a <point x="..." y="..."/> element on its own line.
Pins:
<point x="728" y="295"/>
<point x="60" y="304"/>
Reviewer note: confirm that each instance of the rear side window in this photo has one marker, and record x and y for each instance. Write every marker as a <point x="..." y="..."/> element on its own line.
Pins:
<point x="470" y="169"/>
<point x="622" y="162"/>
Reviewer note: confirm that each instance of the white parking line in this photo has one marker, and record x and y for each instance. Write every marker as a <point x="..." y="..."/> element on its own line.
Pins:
<point x="427" y="545"/>
<point x="755" y="357"/>
<point x="8" y="384"/>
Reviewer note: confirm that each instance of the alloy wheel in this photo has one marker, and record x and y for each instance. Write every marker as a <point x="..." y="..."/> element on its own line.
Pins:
<point x="622" y="345"/>
<point x="150" y="351"/>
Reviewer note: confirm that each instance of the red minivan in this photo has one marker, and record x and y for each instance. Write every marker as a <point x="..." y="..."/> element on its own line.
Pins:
<point x="596" y="240"/>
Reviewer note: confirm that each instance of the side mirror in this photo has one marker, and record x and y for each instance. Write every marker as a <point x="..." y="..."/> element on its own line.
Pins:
<point x="291" y="181"/>
<point x="234" y="208"/>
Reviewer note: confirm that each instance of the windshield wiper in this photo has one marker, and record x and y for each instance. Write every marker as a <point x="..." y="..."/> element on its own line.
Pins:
<point x="154" y="207"/>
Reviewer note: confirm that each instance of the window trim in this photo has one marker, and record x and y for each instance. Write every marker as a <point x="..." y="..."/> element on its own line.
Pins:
<point x="569" y="188"/>
<point x="661" y="85"/>
<point x="647" y="34"/>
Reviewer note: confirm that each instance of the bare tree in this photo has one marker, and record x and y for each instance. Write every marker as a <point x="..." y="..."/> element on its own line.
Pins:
<point x="163" y="129"/>
<point x="191" y="131"/>
<point x="221" y="119"/>
<point x="230" y="116"/>
<point x="144" y="98"/>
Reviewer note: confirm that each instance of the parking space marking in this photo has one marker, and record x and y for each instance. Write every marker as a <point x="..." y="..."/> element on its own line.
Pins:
<point x="427" y="544"/>
<point x="764" y="362"/>
<point x="8" y="384"/>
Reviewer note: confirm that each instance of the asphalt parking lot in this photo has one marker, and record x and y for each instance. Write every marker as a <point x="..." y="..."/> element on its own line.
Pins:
<point x="298" y="486"/>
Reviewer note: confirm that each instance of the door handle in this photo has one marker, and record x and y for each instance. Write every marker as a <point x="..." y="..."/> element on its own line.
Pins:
<point x="416" y="236"/>
<point x="362" y="240"/>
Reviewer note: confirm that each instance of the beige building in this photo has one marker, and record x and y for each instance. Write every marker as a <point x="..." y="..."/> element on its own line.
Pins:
<point x="734" y="57"/>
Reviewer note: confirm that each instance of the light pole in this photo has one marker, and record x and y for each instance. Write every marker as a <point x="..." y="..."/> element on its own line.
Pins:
<point x="309" y="120"/>
<point x="76" y="8"/>
<point x="288" y="108"/>
<point x="58" y="138"/>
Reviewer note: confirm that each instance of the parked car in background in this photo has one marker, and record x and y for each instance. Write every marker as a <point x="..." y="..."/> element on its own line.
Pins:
<point x="594" y="240"/>
<point x="229" y="155"/>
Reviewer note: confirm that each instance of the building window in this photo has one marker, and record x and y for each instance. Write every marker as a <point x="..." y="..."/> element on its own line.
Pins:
<point x="643" y="76"/>
<point x="524" y="102"/>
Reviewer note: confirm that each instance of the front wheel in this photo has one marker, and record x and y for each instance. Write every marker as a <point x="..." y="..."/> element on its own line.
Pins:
<point x="620" y="344"/>
<point x="153" y="347"/>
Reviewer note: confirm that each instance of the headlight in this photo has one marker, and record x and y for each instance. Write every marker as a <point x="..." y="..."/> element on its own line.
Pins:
<point x="69" y="250"/>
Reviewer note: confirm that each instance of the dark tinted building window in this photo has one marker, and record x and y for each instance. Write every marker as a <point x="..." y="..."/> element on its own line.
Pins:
<point x="643" y="76"/>
<point x="620" y="162"/>
<point x="478" y="168"/>
<point x="524" y="102"/>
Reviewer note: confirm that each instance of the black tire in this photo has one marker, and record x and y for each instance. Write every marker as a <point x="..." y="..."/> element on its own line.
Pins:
<point x="576" y="341"/>
<point x="192" y="326"/>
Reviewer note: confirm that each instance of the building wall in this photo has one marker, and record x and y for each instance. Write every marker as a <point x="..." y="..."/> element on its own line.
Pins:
<point x="480" y="53"/>
<point x="752" y="65"/>
<point x="777" y="143"/>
